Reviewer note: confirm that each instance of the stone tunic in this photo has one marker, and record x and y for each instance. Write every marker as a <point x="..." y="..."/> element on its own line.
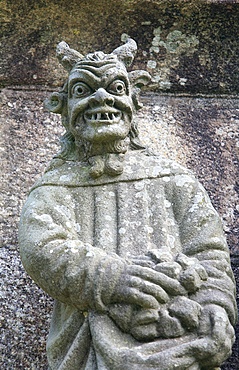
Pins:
<point x="72" y="229"/>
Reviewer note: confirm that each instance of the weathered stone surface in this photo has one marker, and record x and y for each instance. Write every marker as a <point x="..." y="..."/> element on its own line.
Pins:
<point x="102" y="229"/>
<point x="186" y="128"/>
<point x="188" y="46"/>
<point x="24" y="328"/>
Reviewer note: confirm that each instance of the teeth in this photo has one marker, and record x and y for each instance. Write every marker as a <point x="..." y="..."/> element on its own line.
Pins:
<point x="108" y="116"/>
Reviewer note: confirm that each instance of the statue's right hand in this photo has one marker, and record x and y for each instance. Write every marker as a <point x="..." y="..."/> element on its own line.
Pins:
<point x="140" y="286"/>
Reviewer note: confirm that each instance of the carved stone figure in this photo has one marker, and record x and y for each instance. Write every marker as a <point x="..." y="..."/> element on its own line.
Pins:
<point x="126" y="242"/>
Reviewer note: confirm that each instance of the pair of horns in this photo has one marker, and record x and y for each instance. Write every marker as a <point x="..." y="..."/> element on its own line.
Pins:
<point x="69" y="57"/>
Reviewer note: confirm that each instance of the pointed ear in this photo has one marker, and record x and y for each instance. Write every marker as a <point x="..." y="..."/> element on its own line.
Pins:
<point x="56" y="102"/>
<point x="139" y="78"/>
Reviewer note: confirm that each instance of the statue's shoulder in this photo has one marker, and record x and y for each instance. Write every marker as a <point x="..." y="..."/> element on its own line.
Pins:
<point x="138" y="164"/>
<point x="155" y="165"/>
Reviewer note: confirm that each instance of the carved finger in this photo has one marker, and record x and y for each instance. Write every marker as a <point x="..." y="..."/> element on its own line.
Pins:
<point x="201" y="271"/>
<point x="144" y="262"/>
<point x="172" y="286"/>
<point x="144" y="317"/>
<point x="134" y="296"/>
<point x="149" y="288"/>
<point x="143" y="257"/>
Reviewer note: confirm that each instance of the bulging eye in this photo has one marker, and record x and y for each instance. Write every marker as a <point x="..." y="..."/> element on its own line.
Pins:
<point x="117" y="88"/>
<point x="80" y="89"/>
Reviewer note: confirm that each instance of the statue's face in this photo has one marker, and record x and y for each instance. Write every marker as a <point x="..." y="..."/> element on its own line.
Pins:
<point x="99" y="102"/>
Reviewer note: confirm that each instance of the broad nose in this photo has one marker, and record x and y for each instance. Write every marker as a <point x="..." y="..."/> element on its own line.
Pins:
<point x="101" y="97"/>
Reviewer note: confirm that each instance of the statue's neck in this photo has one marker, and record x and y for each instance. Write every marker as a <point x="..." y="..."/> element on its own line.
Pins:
<point x="104" y="148"/>
<point x="105" y="157"/>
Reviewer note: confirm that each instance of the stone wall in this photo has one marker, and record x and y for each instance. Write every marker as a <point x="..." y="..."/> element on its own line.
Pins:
<point x="188" y="46"/>
<point x="190" y="114"/>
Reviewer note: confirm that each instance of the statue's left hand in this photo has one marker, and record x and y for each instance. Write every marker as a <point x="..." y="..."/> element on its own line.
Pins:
<point x="217" y="336"/>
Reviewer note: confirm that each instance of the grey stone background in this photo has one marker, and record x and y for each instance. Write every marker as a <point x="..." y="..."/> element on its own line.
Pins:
<point x="190" y="114"/>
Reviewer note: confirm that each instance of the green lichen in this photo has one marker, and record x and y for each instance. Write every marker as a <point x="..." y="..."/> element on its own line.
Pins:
<point x="175" y="44"/>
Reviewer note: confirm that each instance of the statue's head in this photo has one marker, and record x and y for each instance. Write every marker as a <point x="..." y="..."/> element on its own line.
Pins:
<point x="97" y="101"/>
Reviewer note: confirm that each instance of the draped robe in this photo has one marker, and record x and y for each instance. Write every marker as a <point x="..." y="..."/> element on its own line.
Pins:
<point x="72" y="226"/>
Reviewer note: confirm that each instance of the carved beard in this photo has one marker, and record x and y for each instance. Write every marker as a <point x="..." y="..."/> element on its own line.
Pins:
<point x="106" y="157"/>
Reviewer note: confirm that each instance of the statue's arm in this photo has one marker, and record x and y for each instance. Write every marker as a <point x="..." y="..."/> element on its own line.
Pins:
<point x="202" y="237"/>
<point x="50" y="248"/>
<point x="72" y="271"/>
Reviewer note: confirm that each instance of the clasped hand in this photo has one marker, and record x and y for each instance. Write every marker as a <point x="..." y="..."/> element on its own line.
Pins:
<point x="155" y="292"/>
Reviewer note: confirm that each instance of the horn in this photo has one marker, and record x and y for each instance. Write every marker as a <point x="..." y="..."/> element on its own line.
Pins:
<point x="67" y="57"/>
<point x="126" y="52"/>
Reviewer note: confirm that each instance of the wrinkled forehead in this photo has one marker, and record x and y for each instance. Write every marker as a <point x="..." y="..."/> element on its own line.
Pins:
<point x="98" y="73"/>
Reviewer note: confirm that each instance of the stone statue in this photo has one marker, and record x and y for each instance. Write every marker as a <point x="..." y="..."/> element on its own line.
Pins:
<point x="125" y="241"/>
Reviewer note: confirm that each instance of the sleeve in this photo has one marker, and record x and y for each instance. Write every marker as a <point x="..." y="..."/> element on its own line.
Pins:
<point x="202" y="237"/>
<point x="57" y="260"/>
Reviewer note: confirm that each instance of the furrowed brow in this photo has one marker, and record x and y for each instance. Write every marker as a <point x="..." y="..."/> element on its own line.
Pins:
<point x="87" y="77"/>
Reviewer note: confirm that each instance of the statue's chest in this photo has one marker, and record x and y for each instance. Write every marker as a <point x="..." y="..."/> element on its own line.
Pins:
<point x="127" y="217"/>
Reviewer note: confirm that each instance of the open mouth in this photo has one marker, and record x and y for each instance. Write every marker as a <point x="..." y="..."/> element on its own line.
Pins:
<point x="104" y="117"/>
